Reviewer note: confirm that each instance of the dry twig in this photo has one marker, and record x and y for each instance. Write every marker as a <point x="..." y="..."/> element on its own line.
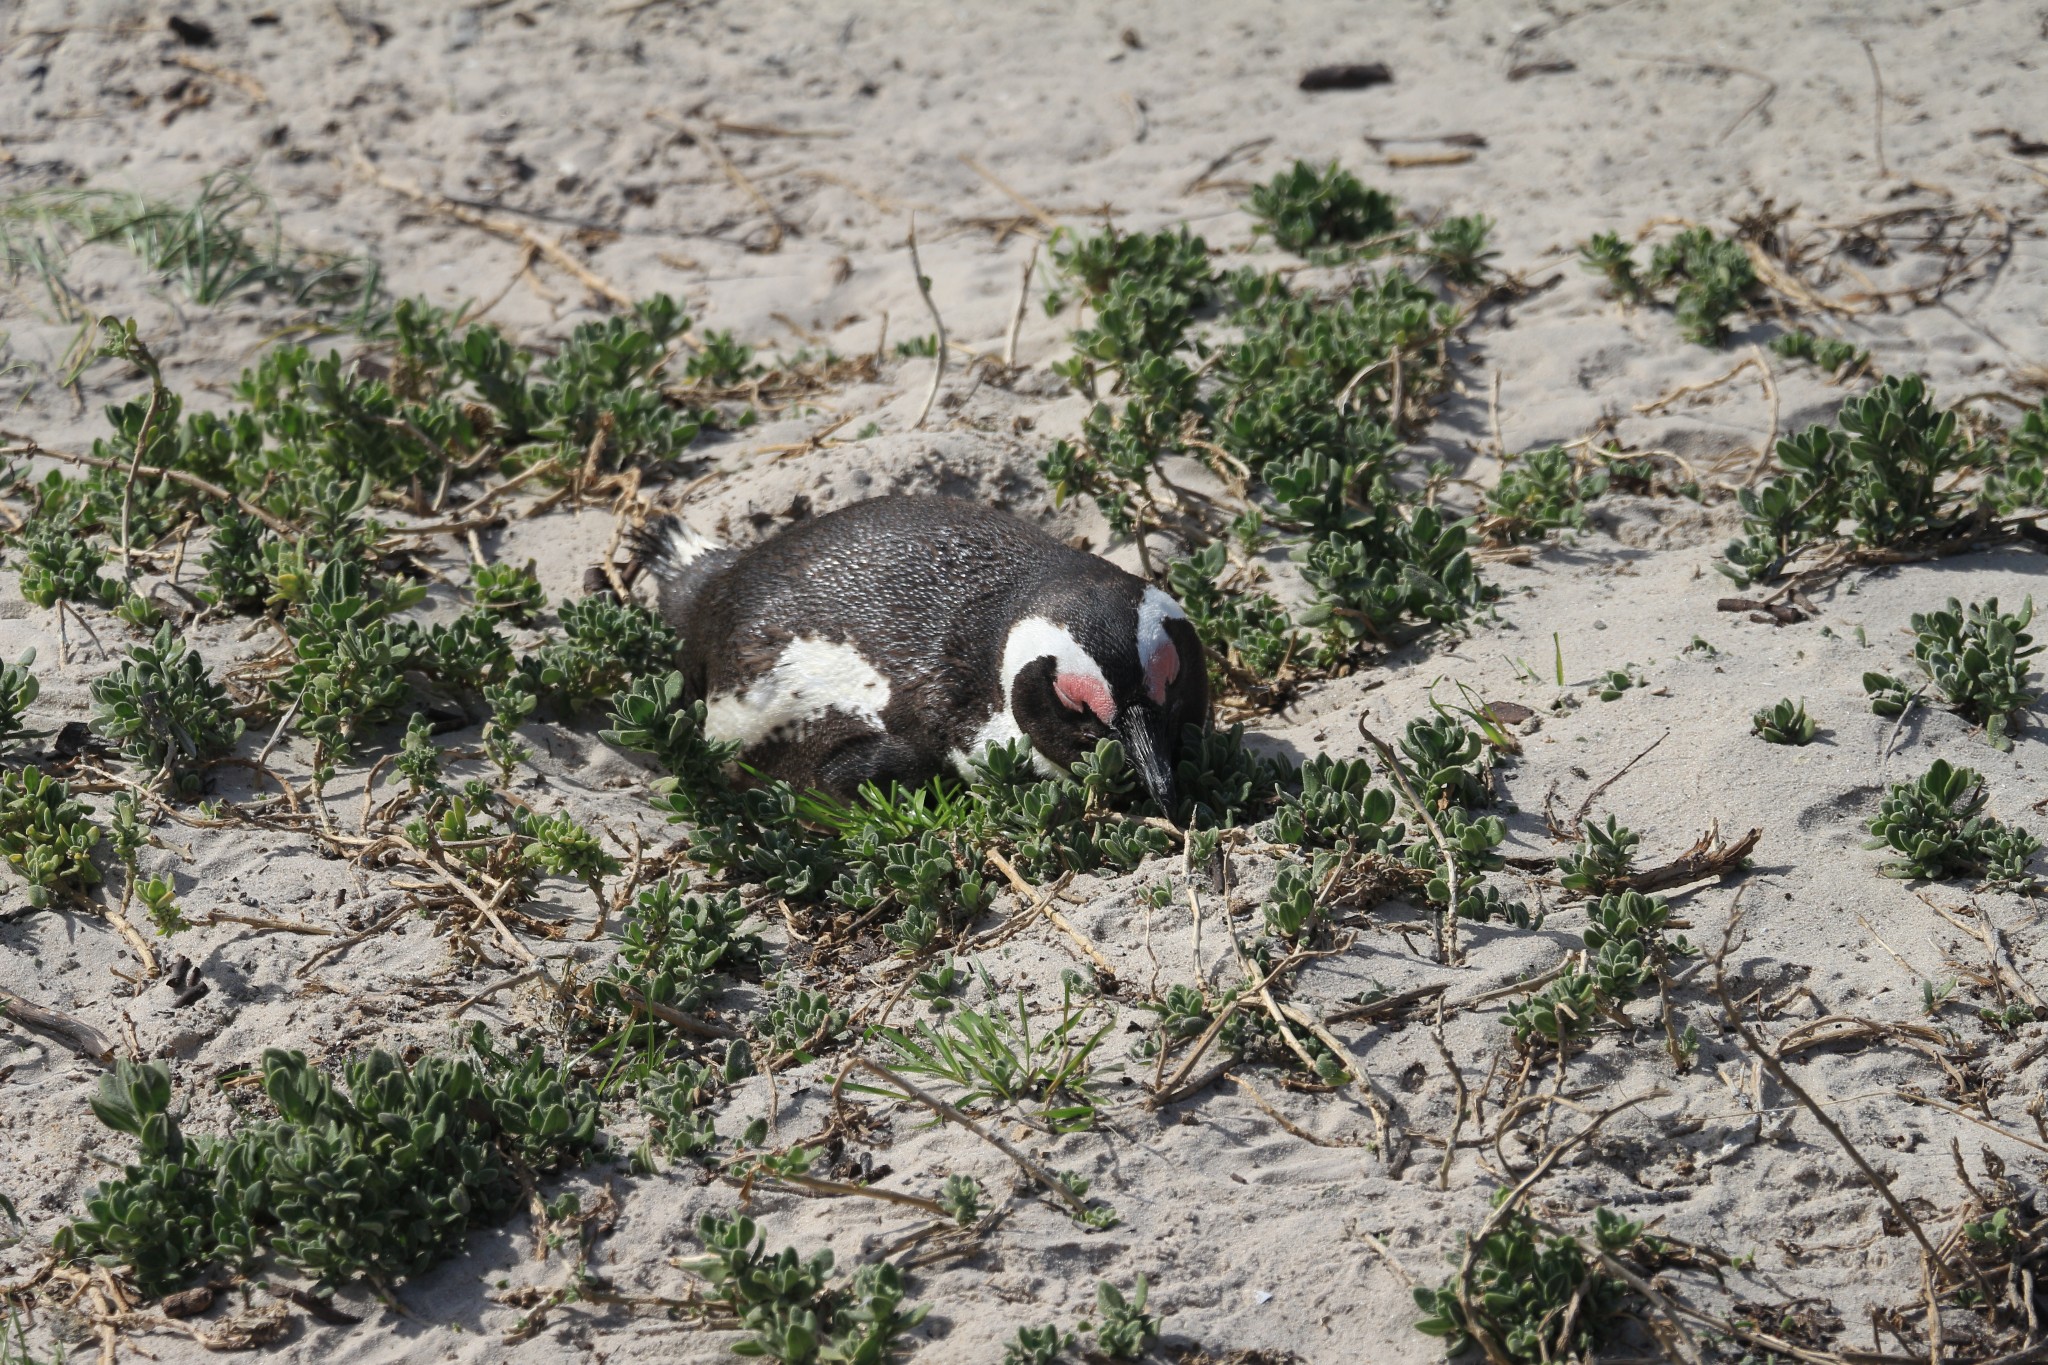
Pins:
<point x="994" y="1139"/>
<point x="924" y="290"/>
<point x="75" y="1034"/>
<point x="1044" y="906"/>
<point x="497" y="225"/>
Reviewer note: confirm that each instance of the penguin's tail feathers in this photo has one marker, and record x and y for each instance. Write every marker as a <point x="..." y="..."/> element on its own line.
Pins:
<point x="667" y="548"/>
<point x="681" y="560"/>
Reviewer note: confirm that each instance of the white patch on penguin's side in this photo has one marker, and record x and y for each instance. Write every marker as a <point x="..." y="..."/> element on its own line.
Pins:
<point x="809" y="679"/>
<point x="1156" y="654"/>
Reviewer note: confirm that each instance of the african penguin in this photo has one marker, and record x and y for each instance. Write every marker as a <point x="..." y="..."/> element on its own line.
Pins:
<point x="893" y="638"/>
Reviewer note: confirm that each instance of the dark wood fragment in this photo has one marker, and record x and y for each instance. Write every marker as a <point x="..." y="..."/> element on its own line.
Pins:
<point x="1346" y="76"/>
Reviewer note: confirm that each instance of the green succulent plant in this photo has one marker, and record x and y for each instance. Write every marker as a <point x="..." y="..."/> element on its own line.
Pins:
<point x="1037" y="1346"/>
<point x="1605" y="855"/>
<point x="164" y="709"/>
<point x="1712" y="279"/>
<point x="1543" y="490"/>
<point x="605" y="645"/>
<point x="1537" y="1295"/>
<point x="382" y="1174"/>
<point x="1889" y="697"/>
<point x="60" y="565"/>
<point x="1708" y="278"/>
<point x="1832" y="354"/>
<point x="1977" y="658"/>
<point x="1123" y="1330"/>
<point x="964" y="1198"/>
<point x="18" y="689"/>
<point x="1304" y="208"/>
<point x="1894" y="470"/>
<point x="1607" y="255"/>
<point x="46" y="835"/>
<point x="1783" y="722"/>
<point x="1458" y="246"/>
<point x="1937" y="825"/>
<point x="792" y="1307"/>
<point x="508" y="590"/>
<point x="1616" y="681"/>
<point x="1288" y="408"/>
<point x="1559" y="1014"/>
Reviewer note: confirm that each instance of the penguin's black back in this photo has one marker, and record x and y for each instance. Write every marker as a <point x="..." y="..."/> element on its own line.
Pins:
<point x="919" y="585"/>
<point x="925" y="589"/>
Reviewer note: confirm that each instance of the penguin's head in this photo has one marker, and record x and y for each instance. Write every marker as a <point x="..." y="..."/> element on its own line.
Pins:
<point x="1108" y="660"/>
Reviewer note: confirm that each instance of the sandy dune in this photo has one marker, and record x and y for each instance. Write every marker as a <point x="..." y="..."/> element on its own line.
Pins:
<point x="763" y="163"/>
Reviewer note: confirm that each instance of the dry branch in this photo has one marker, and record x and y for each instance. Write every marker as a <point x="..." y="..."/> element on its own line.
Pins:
<point x="1706" y="858"/>
<point x="1769" y="1059"/>
<point x="924" y="291"/>
<point x="994" y="1139"/>
<point x="212" y="490"/>
<point x="1044" y="906"/>
<point x="1251" y="1092"/>
<point x="75" y="1034"/>
<point x="498" y="225"/>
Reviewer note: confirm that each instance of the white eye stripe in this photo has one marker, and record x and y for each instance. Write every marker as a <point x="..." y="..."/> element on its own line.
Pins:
<point x="1154" y="611"/>
<point x="1034" y="637"/>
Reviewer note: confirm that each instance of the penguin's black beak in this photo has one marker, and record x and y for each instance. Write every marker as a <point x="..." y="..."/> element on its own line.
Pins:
<point x="1151" y="740"/>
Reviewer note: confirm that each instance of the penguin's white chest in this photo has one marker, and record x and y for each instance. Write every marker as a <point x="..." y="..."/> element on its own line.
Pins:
<point x="810" y="679"/>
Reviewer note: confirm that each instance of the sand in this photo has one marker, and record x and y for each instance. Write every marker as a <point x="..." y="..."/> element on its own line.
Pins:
<point x="576" y="118"/>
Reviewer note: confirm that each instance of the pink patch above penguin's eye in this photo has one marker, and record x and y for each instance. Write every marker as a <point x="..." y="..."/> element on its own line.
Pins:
<point x="1079" y="692"/>
<point x="1162" y="668"/>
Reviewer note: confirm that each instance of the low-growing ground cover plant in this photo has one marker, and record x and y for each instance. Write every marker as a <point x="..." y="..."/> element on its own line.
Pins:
<point x="1708" y="278"/>
<point x="1898" y="474"/>
<point x="509" y="590"/>
<point x="1296" y="408"/>
<point x="1605" y="855"/>
<point x="379" y="1175"/>
<point x="1838" y="357"/>
<point x="1304" y="208"/>
<point x="1937" y="825"/>
<point x="1125" y="1329"/>
<point x="47" y="835"/>
<point x="314" y="444"/>
<point x="1617" y="681"/>
<point x="1977" y="657"/>
<point x="1536" y="1294"/>
<point x="18" y="690"/>
<point x="791" y="1306"/>
<point x="1627" y="956"/>
<point x="164" y="710"/>
<point x="1889" y="697"/>
<point x="1783" y="722"/>
<point x="1543" y="490"/>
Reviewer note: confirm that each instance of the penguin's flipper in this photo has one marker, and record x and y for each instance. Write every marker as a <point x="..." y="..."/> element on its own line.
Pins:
<point x="682" y="562"/>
